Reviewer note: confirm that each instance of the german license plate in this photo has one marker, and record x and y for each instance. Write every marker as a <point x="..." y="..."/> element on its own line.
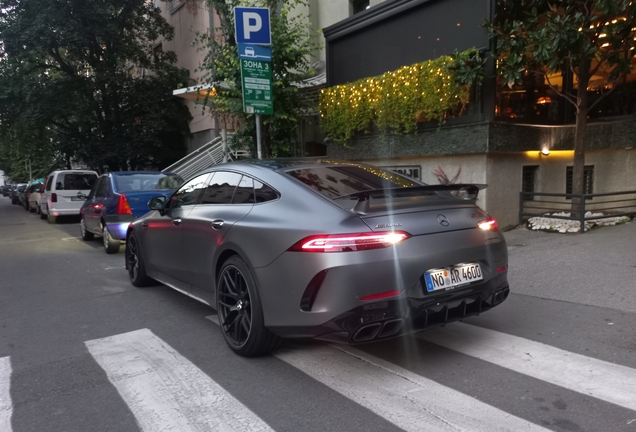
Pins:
<point x="452" y="277"/>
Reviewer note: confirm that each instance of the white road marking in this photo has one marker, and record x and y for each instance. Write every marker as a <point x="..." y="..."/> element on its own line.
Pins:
<point x="597" y="378"/>
<point x="164" y="390"/>
<point x="6" y="407"/>
<point x="407" y="400"/>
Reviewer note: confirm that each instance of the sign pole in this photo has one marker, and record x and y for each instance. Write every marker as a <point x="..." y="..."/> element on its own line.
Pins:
<point x="259" y="148"/>
<point x="252" y="32"/>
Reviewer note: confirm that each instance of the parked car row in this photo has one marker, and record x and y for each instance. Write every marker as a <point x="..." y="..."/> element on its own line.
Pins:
<point x="106" y="204"/>
<point x="331" y="250"/>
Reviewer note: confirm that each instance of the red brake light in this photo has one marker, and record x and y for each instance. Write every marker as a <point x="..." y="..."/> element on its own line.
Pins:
<point x="489" y="224"/>
<point x="349" y="242"/>
<point x="382" y="295"/>
<point x="122" y="205"/>
<point x="53" y="197"/>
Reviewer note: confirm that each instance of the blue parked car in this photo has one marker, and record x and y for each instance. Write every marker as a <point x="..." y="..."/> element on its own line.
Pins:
<point x="117" y="199"/>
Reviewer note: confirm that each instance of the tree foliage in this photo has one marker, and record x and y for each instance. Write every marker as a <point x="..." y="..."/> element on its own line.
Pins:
<point x="589" y="38"/>
<point x="293" y="41"/>
<point x="66" y="89"/>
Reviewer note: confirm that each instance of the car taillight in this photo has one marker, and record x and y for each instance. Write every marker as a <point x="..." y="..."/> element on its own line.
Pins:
<point x="122" y="205"/>
<point x="53" y="197"/>
<point x="349" y="242"/>
<point x="489" y="224"/>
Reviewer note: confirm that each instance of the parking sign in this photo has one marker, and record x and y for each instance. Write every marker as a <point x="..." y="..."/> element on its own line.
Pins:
<point x="252" y="25"/>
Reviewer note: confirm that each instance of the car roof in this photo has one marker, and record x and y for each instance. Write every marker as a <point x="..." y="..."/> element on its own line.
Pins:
<point x="138" y="172"/>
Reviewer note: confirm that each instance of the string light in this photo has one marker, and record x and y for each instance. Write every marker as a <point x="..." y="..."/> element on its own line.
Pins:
<point x="396" y="99"/>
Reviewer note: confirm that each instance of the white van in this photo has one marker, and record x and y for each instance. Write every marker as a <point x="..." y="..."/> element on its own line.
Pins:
<point x="60" y="193"/>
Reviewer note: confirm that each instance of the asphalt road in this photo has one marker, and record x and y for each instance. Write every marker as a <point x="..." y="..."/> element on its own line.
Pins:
<point x="83" y="350"/>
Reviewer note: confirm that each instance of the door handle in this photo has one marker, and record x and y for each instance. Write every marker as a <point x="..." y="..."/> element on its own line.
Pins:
<point x="144" y="224"/>
<point x="217" y="224"/>
<point x="176" y="221"/>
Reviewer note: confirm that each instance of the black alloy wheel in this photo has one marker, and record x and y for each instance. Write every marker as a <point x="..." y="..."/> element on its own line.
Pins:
<point x="240" y="313"/>
<point x="135" y="264"/>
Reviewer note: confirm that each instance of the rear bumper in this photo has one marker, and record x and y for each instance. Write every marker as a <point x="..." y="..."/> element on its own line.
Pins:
<point x="63" y="212"/>
<point x="118" y="225"/>
<point x="316" y="294"/>
<point x="392" y="318"/>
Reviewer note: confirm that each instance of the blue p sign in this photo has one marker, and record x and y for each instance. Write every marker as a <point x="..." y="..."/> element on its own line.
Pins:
<point x="252" y="25"/>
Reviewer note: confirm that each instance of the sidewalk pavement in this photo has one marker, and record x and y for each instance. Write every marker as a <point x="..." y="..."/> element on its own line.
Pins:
<point x="597" y="268"/>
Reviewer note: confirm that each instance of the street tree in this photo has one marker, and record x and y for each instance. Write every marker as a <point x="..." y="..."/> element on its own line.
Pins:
<point x="69" y="75"/>
<point x="293" y="42"/>
<point x="589" y="38"/>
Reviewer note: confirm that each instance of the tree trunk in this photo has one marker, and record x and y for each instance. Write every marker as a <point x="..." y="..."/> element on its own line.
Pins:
<point x="580" y="137"/>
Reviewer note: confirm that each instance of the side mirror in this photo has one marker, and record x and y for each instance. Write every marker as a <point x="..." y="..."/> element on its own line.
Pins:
<point x="82" y="196"/>
<point x="157" y="203"/>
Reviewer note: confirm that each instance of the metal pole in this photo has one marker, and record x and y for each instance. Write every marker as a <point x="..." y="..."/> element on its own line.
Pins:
<point x="258" y="137"/>
<point x="224" y="141"/>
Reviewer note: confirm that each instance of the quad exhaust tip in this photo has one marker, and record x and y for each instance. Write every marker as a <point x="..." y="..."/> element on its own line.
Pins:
<point x="378" y="330"/>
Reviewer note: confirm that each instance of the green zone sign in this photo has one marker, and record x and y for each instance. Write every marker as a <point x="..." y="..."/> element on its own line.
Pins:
<point x="257" y="87"/>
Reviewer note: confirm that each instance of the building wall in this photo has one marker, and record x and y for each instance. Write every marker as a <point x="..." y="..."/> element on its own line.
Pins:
<point x="394" y="34"/>
<point x="186" y="22"/>
<point x="473" y="169"/>
<point x="614" y="171"/>
<point x="480" y="151"/>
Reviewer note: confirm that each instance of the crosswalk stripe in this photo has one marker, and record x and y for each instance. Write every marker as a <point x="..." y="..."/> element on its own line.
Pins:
<point x="6" y="407"/>
<point x="407" y="400"/>
<point x="597" y="378"/>
<point x="164" y="390"/>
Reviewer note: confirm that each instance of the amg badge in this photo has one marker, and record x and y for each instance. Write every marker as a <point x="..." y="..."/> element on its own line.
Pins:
<point x="389" y="225"/>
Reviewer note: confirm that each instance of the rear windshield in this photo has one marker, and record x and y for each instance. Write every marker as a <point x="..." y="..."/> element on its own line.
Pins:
<point x="337" y="181"/>
<point x="144" y="182"/>
<point x="75" y="181"/>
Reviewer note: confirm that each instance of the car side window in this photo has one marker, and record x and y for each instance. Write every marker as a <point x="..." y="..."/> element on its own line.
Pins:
<point x="101" y="188"/>
<point x="49" y="182"/>
<point x="220" y="189"/>
<point x="264" y="193"/>
<point x="189" y="193"/>
<point x="244" y="193"/>
<point x="91" y="194"/>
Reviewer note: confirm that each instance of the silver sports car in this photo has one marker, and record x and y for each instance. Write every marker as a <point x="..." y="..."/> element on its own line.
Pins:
<point x="322" y="249"/>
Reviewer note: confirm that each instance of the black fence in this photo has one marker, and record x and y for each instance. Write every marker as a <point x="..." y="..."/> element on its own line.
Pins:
<point x="615" y="204"/>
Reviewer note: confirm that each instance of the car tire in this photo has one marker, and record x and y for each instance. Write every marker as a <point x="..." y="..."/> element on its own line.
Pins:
<point x="86" y="235"/>
<point x="240" y="311"/>
<point x="51" y="219"/>
<point x="31" y="209"/>
<point x="26" y="206"/>
<point x="38" y="209"/>
<point x="135" y="264"/>
<point x="42" y="214"/>
<point x="111" y="246"/>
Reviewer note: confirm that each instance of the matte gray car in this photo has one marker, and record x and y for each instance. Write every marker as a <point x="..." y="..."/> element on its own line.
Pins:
<point x="321" y="249"/>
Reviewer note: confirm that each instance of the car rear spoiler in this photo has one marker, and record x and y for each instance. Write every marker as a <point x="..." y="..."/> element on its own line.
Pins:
<point x="362" y="206"/>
